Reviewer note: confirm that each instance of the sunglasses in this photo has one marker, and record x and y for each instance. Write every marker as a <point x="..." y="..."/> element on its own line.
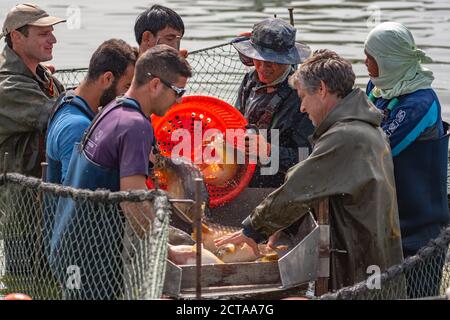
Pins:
<point x="178" y="91"/>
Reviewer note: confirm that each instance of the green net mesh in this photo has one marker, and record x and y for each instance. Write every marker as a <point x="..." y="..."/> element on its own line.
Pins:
<point x="102" y="256"/>
<point x="425" y="275"/>
<point x="218" y="72"/>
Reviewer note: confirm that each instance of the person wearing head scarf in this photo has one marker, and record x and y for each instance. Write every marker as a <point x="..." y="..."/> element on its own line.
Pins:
<point x="400" y="87"/>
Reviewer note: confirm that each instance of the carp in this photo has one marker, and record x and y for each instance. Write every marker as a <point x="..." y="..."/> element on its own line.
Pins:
<point x="178" y="180"/>
<point x="212" y="231"/>
<point x="179" y="257"/>
<point x="216" y="171"/>
<point x="230" y="253"/>
<point x="236" y="253"/>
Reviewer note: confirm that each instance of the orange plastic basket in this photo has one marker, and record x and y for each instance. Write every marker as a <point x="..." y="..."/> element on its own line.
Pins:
<point x="209" y="113"/>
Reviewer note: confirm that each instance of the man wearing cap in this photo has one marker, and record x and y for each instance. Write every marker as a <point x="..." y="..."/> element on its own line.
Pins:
<point x="27" y="89"/>
<point x="267" y="101"/>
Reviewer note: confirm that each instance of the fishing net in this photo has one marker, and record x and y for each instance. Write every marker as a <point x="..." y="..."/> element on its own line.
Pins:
<point x="218" y="72"/>
<point x="101" y="255"/>
<point x="425" y="275"/>
<point x="71" y="78"/>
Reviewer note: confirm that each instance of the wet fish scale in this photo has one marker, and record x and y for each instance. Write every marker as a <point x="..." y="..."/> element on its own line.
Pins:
<point x="231" y="253"/>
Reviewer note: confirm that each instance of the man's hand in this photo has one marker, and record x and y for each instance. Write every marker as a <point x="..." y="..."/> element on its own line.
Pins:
<point x="139" y="214"/>
<point x="237" y="238"/>
<point x="261" y="144"/>
<point x="245" y="34"/>
<point x="272" y="239"/>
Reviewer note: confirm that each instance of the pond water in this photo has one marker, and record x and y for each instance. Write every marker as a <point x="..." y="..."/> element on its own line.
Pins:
<point x="335" y="24"/>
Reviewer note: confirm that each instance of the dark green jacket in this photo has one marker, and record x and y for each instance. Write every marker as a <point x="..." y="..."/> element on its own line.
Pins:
<point x="25" y="106"/>
<point x="351" y="163"/>
<point x="294" y="127"/>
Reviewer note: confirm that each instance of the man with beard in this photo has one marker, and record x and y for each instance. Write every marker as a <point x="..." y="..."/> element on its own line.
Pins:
<point x="110" y="72"/>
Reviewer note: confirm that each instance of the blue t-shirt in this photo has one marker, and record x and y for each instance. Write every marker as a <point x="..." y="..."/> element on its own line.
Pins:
<point x="65" y="129"/>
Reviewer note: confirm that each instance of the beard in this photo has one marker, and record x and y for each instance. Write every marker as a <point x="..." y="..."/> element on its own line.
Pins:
<point x="109" y="94"/>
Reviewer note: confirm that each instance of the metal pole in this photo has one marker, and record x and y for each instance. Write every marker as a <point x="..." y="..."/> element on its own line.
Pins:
<point x="323" y="210"/>
<point x="5" y="166"/>
<point x="39" y="244"/>
<point x="291" y="15"/>
<point x="44" y="166"/>
<point x="198" y="228"/>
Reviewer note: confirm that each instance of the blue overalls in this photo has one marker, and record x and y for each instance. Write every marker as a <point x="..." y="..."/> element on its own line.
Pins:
<point x="67" y="100"/>
<point x="89" y="235"/>
<point x="53" y="175"/>
<point x="420" y="167"/>
<point x="420" y="156"/>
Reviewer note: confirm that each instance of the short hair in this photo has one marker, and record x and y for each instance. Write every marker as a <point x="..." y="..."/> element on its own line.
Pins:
<point x="113" y="55"/>
<point x="23" y="30"/>
<point x="327" y="66"/>
<point x="161" y="61"/>
<point x="155" y="19"/>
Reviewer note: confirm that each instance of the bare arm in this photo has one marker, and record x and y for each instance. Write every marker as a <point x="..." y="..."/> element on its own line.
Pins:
<point x="133" y="183"/>
<point x="139" y="214"/>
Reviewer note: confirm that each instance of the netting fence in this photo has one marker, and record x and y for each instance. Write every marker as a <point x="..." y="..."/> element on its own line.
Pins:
<point x="425" y="275"/>
<point x="109" y="247"/>
<point x="105" y="254"/>
<point x="218" y="72"/>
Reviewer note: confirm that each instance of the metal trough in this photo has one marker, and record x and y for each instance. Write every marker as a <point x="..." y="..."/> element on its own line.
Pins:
<point x="295" y="268"/>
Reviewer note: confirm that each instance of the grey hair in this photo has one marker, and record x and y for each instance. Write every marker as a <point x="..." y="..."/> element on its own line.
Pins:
<point x="327" y="66"/>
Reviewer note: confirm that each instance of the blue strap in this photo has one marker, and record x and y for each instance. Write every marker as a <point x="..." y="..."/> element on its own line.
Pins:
<point x="74" y="100"/>
<point x="69" y="97"/>
<point x="118" y="102"/>
<point x="129" y="102"/>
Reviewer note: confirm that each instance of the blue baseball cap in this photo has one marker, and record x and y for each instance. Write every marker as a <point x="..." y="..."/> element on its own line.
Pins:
<point x="273" y="40"/>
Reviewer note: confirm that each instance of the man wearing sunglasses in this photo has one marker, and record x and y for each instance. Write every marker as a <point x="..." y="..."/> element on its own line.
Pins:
<point x="159" y="25"/>
<point x="113" y="154"/>
<point x="179" y="92"/>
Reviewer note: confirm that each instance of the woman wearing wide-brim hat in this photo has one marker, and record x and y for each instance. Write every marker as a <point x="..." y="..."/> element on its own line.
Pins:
<point x="268" y="102"/>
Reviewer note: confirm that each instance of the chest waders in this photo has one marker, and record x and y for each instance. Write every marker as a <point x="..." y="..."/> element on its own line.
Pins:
<point x="421" y="183"/>
<point x="54" y="168"/>
<point x="89" y="235"/>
